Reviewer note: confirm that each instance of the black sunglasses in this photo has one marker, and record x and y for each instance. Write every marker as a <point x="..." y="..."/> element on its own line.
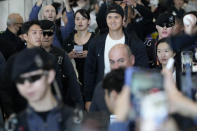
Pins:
<point x="166" y="25"/>
<point x="31" y="79"/>
<point x="48" y="33"/>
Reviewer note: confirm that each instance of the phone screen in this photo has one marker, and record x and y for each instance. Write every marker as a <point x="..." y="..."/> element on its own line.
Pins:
<point x="142" y="81"/>
<point x="186" y="58"/>
<point x="78" y="48"/>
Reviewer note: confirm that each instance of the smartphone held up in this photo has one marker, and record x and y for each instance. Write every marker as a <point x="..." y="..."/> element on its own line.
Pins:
<point x="148" y="97"/>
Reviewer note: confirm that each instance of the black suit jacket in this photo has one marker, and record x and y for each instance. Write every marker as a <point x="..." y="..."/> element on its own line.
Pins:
<point x="70" y="86"/>
<point x="94" y="66"/>
<point x="10" y="44"/>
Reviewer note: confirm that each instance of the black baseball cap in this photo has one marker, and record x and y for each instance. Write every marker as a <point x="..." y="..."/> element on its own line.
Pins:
<point x="47" y="25"/>
<point x="32" y="59"/>
<point x="165" y="19"/>
<point x="114" y="8"/>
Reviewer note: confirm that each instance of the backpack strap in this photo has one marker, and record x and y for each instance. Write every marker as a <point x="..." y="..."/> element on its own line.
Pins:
<point x="17" y="122"/>
<point x="70" y="118"/>
<point x="22" y="120"/>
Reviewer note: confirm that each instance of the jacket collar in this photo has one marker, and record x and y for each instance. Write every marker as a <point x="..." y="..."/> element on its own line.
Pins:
<point x="30" y="111"/>
<point x="9" y="33"/>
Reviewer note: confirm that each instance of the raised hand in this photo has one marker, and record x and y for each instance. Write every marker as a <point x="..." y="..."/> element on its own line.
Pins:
<point x="123" y="105"/>
<point x="130" y="2"/>
<point x="67" y="5"/>
<point x="64" y="18"/>
<point x="39" y="2"/>
<point x="189" y="23"/>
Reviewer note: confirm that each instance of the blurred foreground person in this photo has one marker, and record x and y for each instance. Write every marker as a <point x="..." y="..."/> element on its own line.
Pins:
<point x="113" y="85"/>
<point x="34" y="74"/>
<point x="11" y="101"/>
<point x="177" y="103"/>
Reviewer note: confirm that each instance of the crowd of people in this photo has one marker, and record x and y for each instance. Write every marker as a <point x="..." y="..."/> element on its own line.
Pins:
<point x="66" y="68"/>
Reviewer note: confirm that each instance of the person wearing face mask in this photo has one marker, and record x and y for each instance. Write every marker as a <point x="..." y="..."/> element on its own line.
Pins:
<point x="10" y="42"/>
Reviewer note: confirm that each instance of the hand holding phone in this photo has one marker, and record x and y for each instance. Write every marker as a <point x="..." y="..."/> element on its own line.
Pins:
<point x="72" y="54"/>
<point x="142" y="81"/>
<point x="122" y="106"/>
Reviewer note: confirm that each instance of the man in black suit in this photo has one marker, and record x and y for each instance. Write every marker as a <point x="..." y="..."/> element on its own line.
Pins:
<point x="69" y="85"/>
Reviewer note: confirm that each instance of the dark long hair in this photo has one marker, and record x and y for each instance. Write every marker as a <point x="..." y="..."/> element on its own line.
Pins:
<point x="167" y="41"/>
<point x="85" y="13"/>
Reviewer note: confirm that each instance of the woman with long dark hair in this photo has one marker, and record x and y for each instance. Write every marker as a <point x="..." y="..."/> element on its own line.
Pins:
<point x="77" y="43"/>
<point x="164" y="53"/>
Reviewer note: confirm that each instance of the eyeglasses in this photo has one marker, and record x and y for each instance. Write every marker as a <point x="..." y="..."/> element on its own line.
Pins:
<point x="48" y="33"/>
<point x="31" y="79"/>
